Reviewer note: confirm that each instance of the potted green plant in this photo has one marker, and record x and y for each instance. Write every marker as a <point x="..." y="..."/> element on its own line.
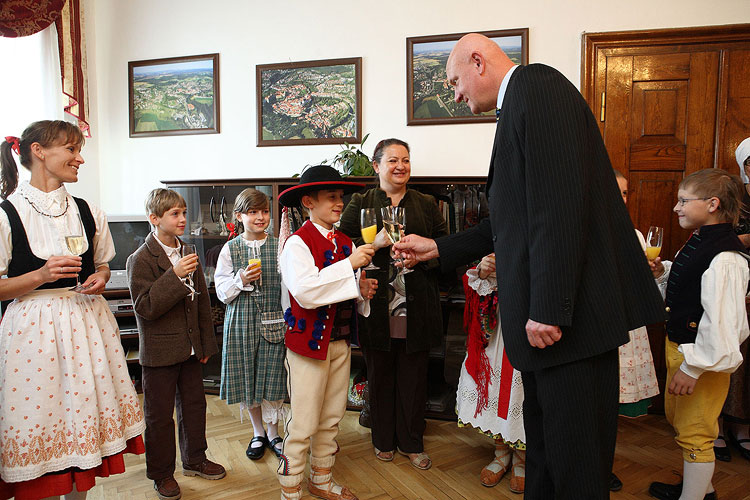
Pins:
<point x="352" y="161"/>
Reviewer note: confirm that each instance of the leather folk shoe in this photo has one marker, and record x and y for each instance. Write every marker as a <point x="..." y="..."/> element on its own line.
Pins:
<point x="167" y="488"/>
<point x="666" y="491"/>
<point x="206" y="469"/>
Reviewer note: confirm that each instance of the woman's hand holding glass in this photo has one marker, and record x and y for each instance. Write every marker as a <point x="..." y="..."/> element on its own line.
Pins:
<point x="60" y="267"/>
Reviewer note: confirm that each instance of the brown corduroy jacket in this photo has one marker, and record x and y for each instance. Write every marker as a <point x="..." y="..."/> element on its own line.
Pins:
<point x="169" y="323"/>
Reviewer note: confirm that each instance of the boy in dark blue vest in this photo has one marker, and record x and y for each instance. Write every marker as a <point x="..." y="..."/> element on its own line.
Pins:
<point x="319" y="269"/>
<point x="705" y="301"/>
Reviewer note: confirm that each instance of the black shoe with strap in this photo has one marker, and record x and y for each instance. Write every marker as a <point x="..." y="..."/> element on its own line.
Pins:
<point x="722" y="452"/>
<point x="666" y="491"/>
<point x="256" y="452"/>
<point x="272" y="444"/>
<point x="745" y="452"/>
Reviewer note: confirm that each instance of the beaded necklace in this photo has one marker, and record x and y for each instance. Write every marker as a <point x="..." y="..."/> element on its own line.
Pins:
<point x="44" y="213"/>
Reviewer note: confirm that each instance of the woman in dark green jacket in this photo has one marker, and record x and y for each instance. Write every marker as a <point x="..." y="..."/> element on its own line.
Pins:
<point x="405" y="317"/>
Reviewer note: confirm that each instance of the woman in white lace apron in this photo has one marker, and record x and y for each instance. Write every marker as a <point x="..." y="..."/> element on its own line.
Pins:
<point x="490" y="391"/>
<point x="68" y="409"/>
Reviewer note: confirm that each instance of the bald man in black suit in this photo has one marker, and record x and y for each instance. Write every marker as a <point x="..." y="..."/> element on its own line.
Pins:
<point x="572" y="277"/>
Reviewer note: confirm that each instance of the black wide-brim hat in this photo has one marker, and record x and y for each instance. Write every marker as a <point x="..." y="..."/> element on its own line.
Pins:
<point x="315" y="179"/>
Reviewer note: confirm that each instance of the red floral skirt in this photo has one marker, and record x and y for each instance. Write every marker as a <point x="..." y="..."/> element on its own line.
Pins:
<point x="61" y="483"/>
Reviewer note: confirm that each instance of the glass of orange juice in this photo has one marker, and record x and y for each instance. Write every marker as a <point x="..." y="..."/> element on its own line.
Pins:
<point x="369" y="228"/>
<point x="253" y="261"/>
<point x="654" y="241"/>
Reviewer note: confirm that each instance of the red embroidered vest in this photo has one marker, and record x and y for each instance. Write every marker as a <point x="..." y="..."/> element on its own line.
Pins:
<point x="309" y="330"/>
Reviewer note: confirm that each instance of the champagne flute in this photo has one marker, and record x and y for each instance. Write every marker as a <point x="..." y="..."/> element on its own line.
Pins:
<point x="185" y="250"/>
<point x="255" y="260"/>
<point x="653" y="242"/>
<point x="369" y="229"/>
<point x="392" y="217"/>
<point x="401" y="223"/>
<point x="75" y="241"/>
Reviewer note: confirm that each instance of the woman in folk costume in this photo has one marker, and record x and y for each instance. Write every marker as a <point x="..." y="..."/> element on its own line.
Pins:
<point x="490" y="391"/>
<point x="68" y="409"/>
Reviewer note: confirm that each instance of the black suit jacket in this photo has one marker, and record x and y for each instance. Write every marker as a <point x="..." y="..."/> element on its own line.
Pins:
<point x="565" y="246"/>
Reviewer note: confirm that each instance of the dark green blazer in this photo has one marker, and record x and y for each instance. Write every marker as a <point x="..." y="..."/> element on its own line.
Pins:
<point x="423" y="317"/>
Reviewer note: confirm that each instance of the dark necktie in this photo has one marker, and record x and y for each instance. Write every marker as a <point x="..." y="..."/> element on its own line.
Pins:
<point x="497" y="114"/>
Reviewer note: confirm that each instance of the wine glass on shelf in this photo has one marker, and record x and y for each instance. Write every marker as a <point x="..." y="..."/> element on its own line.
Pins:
<point x="185" y="250"/>
<point x="254" y="260"/>
<point x="654" y="241"/>
<point x="369" y="229"/>
<point x="74" y="241"/>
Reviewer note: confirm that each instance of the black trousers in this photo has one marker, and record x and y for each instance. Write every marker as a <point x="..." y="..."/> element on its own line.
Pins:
<point x="570" y="416"/>
<point x="398" y="394"/>
<point x="163" y="388"/>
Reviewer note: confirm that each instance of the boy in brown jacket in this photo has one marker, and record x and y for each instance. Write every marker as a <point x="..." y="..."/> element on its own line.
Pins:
<point x="176" y="334"/>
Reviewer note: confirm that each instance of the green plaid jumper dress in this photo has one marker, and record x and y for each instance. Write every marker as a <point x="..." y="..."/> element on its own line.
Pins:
<point x="252" y="368"/>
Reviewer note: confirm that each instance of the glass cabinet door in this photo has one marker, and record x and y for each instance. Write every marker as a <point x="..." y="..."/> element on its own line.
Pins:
<point x="209" y="210"/>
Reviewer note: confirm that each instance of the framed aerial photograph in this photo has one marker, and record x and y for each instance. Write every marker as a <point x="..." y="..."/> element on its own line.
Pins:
<point x="309" y="102"/>
<point x="429" y="96"/>
<point x="173" y="96"/>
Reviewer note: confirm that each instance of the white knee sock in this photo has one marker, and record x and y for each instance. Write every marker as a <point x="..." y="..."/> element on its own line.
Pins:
<point x="257" y="420"/>
<point x="696" y="480"/>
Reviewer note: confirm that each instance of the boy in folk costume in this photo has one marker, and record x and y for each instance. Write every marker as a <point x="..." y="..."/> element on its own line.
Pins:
<point x="319" y="269"/>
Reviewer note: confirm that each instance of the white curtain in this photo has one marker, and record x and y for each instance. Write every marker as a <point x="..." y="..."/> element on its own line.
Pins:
<point x="30" y="88"/>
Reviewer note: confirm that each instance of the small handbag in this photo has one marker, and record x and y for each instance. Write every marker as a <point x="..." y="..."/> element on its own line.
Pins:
<point x="273" y="326"/>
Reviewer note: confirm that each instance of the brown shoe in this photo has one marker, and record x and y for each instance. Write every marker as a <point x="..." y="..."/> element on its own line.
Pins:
<point x="206" y="469"/>
<point x="167" y="488"/>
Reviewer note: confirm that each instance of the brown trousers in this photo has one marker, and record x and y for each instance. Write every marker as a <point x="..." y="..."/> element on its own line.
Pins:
<point x="165" y="387"/>
<point x="397" y="383"/>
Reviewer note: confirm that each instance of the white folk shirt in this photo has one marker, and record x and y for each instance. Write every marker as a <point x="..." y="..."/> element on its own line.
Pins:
<point x="228" y="285"/>
<point x="723" y="326"/>
<point x="46" y="235"/>
<point x="313" y="287"/>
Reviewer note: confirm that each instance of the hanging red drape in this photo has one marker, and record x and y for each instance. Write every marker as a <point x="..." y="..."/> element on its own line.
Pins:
<point x="26" y="17"/>
<point x="73" y="66"/>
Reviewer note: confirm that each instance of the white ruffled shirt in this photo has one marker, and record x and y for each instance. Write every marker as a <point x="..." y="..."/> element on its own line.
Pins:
<point x="46" y="235"/>
<point x="313" y="288"/>
<point x="229" y="285"/>
<point x="723" y="326"/>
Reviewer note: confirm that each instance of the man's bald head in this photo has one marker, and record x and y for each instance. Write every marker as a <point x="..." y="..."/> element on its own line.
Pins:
<point x="476" y="67"/>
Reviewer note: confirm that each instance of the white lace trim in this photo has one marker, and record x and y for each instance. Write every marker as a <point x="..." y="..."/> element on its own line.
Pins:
<point x="481" y="286"/>
<point x="49" y="201"/>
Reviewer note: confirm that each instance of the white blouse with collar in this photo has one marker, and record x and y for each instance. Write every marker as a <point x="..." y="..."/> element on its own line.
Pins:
<point x="46" y="234"/>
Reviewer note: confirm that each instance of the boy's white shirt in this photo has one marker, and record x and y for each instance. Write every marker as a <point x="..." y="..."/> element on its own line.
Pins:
<point x="723" y="326"/>
<point x="313" y="288"/>
<point x="228" y="285"/>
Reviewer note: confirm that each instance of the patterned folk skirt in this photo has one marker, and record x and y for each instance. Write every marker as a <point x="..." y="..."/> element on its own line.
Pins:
<point x="66" y="398"/>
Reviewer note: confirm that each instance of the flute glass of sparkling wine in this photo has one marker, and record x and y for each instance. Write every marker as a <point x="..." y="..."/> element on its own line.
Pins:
<point x="369" y="229"/>
<point x="74" y="241"/>
<point x="185" y="250"/>
<point x="254" y="260"/>
<point x="653" y="242"/>
<point x="394" y="219"/>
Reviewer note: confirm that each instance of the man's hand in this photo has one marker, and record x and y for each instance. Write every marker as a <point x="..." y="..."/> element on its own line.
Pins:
<point x="415" y="248"/>
<point x="682" y="384"/>
<point x="367" y="287"/>
<point x="541" y="335"/>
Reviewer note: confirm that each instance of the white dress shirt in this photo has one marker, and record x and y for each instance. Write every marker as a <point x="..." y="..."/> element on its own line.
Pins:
<point x="311" y="287"/>
<point x="504" y="86"/>
<point x="723" y="326"/>
<point x="46" y="234"/>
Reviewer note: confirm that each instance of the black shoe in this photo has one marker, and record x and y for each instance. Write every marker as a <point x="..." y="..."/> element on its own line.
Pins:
<point x="722" y="452"/>
<point x="666" y="491"/>
<point x="272" y="444"/>
<point x="614" y="483"/>
<point x="256" y="453"/>
<point x="738" y="443"/>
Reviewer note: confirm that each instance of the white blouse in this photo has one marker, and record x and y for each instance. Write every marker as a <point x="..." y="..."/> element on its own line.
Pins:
<point x="313" y="288"/>
<point x="228" y="285"/>
<point x="723" y="326"/>
<point x="46" y="235"/>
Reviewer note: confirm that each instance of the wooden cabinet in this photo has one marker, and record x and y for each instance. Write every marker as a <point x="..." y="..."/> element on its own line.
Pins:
<point x="461" y="199"/>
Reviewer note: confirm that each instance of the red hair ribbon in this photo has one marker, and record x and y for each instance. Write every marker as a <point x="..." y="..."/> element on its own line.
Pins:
<point x="14" y="142"/>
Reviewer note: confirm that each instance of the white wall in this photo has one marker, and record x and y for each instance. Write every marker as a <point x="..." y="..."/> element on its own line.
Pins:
<point x="250" y="32"/>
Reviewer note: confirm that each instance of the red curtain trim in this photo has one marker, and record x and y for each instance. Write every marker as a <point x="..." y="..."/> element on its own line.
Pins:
<point x="26" y="17"/>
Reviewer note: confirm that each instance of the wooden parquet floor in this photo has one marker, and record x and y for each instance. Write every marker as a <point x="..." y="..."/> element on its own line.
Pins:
<point x="646" y="452"/>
